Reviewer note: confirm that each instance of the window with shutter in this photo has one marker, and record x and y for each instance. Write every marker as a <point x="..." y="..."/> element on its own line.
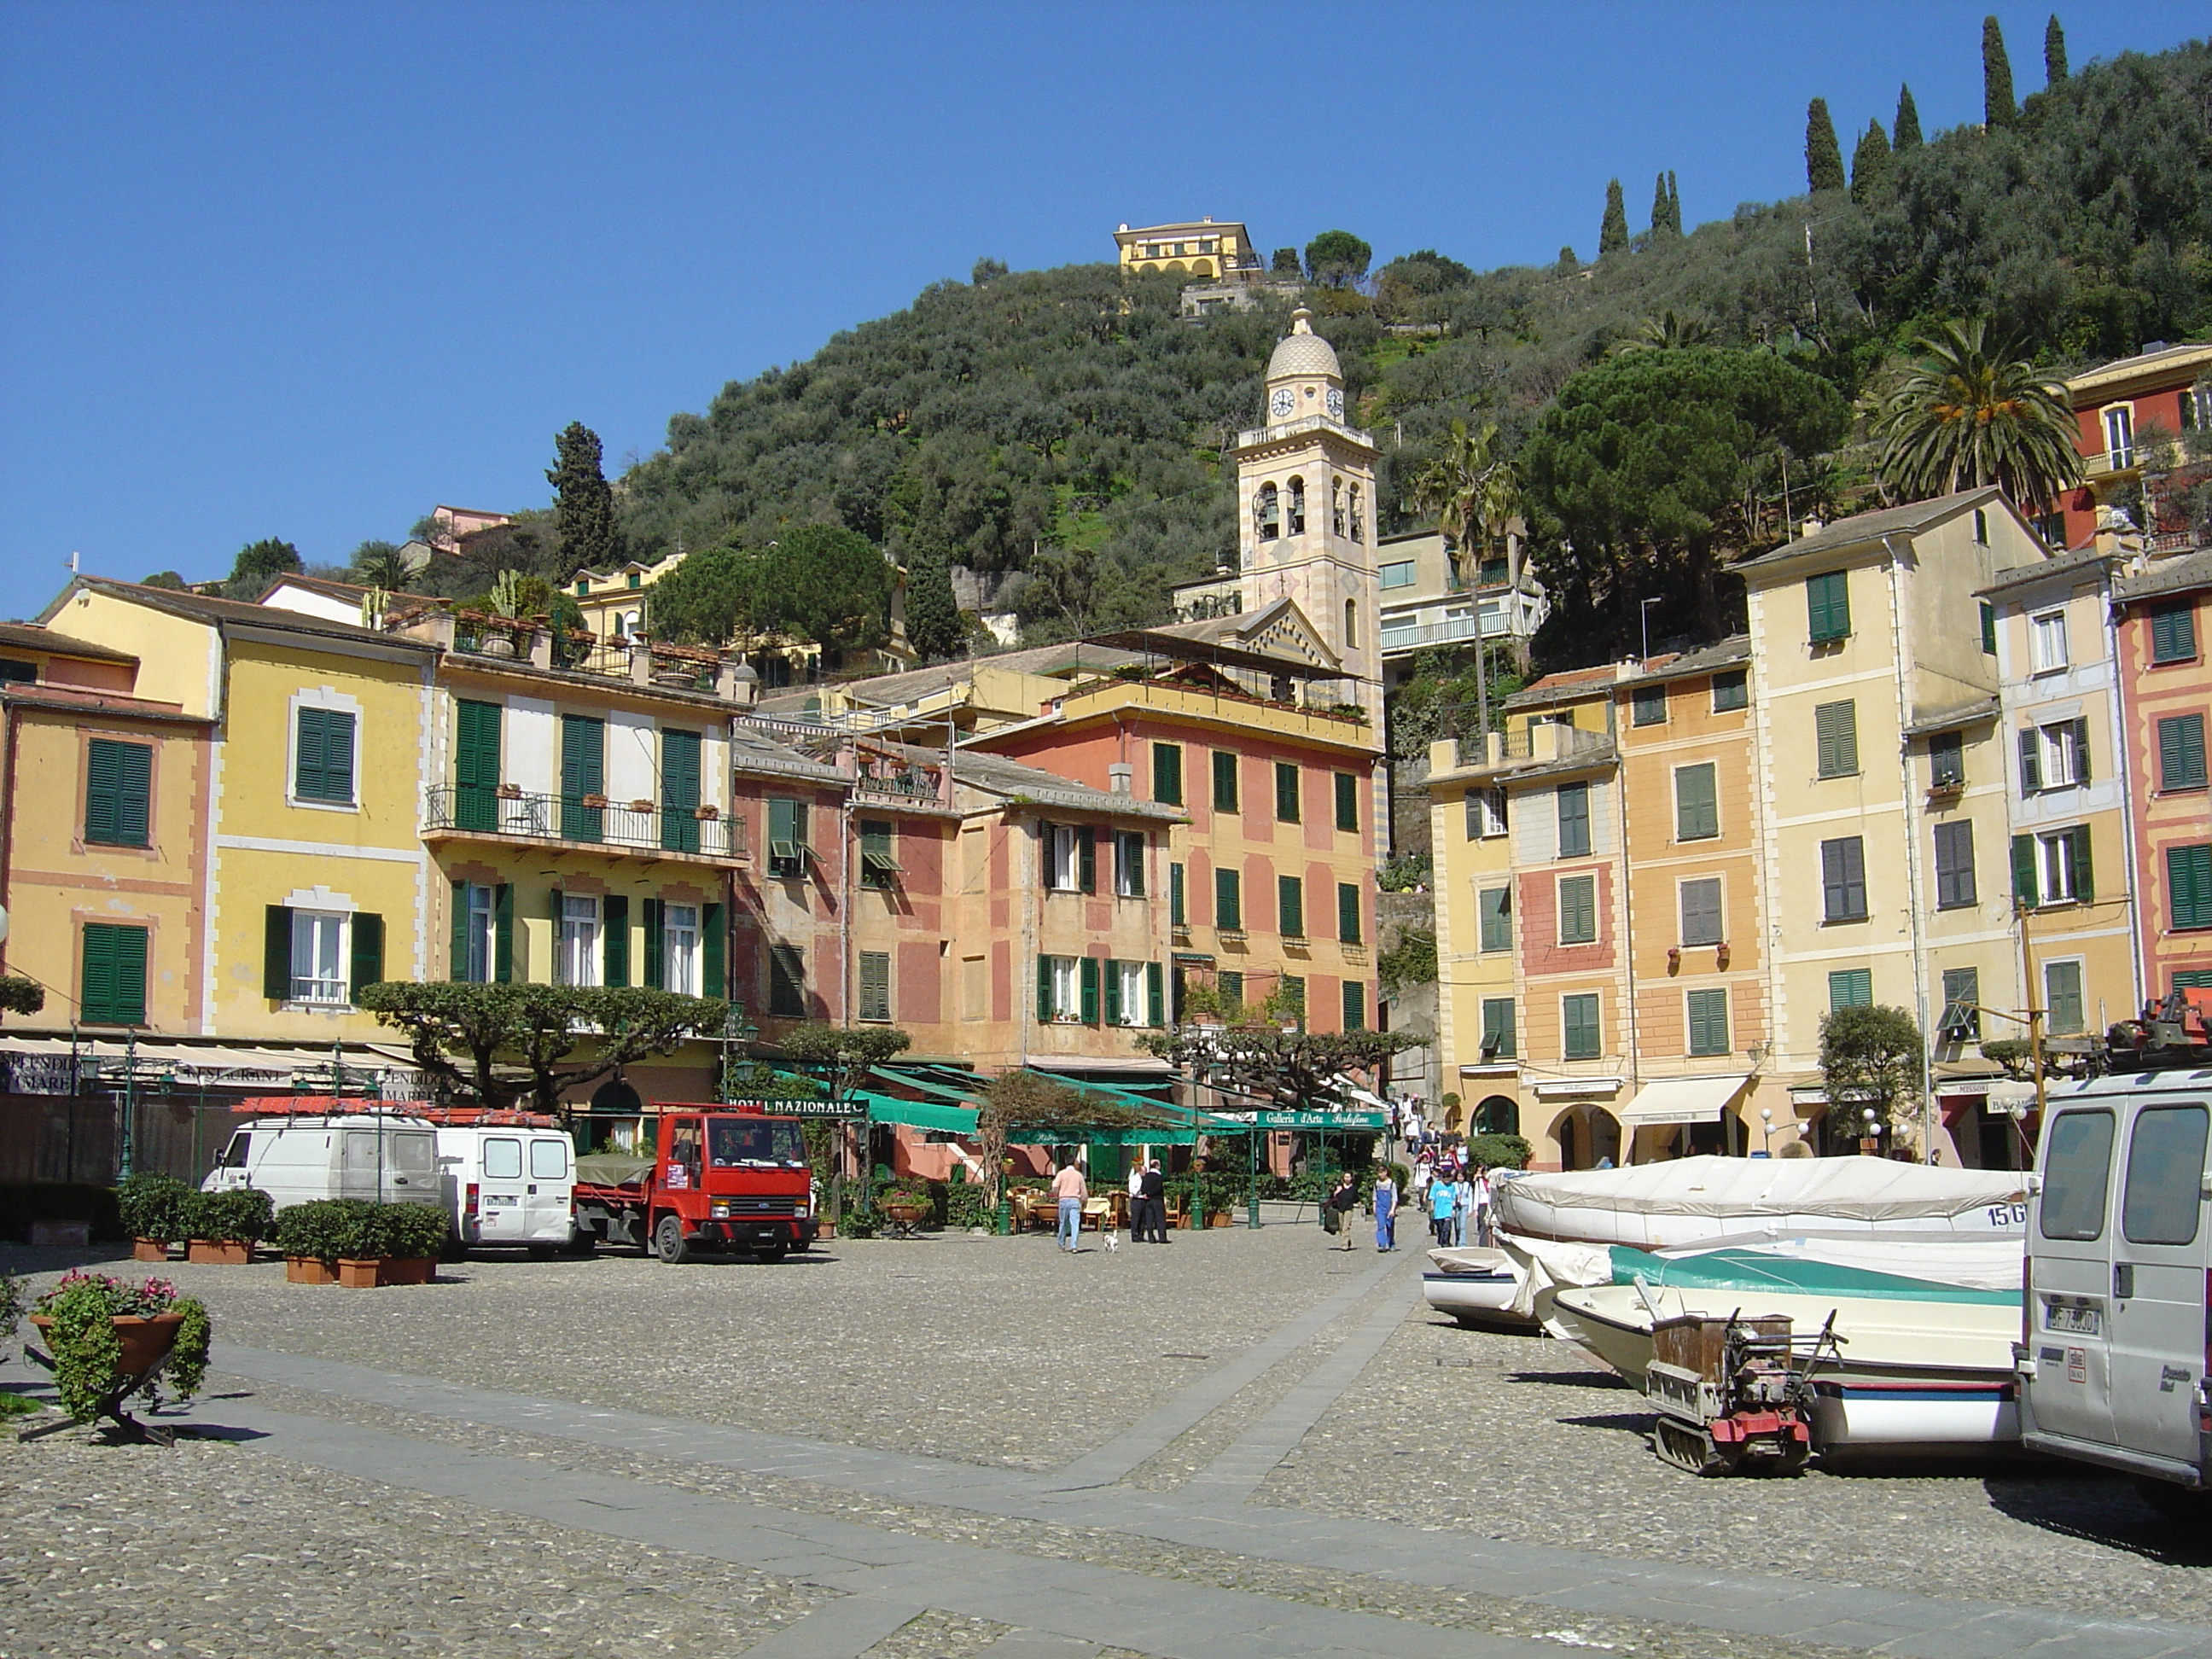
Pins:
<point x="2173" y="631"/>
<point x="1828" y="608"/>
<point x="1955" y="865"/>
<point x="1178" y="908"/>
<point x="1850" y="987"/>
<point x="1708" y="1022"/>
<point x="1355" y="1005"/>
<point x="1129" y="863"/>
<point x="112" y="975"/>
<point x="119" y="793"/>
<point x="1701" y="911"/>
<point x="1225" y="780"/>
<point x="1294" y="998"/>
<point x="679" y="791"/>
<point x="1286" y="792"/>
<point x="1836" y="727"/>
<point x="1648" y="706"/>
<point x="1290" y="907"/>
<point x="366" y="943"/>
<point x="1961" y="1020"/>
<point x="1574" y="820"/>
<point x="1946" y="760"/>
<point x="1088" y="967"/>
<point x="583" y="777"/>
<point x="1086" y="859"/>
<point x="1498" y="1032"/>
<point x="475" y="765"/>
<point x="1228" y="901"/>
<point x="875" y="985"/>
<point x="1347" y="803"/>
<point x="2031" y="761"/>
<point x="1495" y="905"/>
<point x="322" y="756"/>
<point x="1155" y="995"/>
<point x="1347" y="913"/>
<point x="1989" y="628"/>
<point x="2063" y="1004"/>
<point x="879" y="869"/>
<point x="2181" y="752"/>
<point x="1843" y="879"/>
<point x="1167" y="774"/>
<point x="788" y="849"/>
<point x="614" y="940"/>
<point x="1580" y="1038"/>
<point x="1697" y="802"/>
<point x="1577" y="909"/>
<point x="786" y="982"/>
<point x="1231" y="984"/>
<point x="2189" y="886"/>
<point x="1731" y="691"/>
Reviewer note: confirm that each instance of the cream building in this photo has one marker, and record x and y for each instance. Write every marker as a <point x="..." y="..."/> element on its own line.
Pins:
<point x="1882" y="770"/>
<point x="1202" y="248"/>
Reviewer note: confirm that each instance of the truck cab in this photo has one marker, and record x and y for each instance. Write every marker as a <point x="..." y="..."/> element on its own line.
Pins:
<point x="719" y="1178"/>
<point x="2115" y="1345"/>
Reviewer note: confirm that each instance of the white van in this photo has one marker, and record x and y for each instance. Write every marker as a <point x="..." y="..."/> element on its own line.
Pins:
<point x="370" y="1155"/>
<point x="2117" y="1343"/>
<point x="508" y="1186"/>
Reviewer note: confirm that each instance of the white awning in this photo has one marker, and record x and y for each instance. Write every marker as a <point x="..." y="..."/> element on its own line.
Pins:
<point x="215" y="1061"/>
<point x="1573" y="1088"/>
<point x="1683" y="1100"/>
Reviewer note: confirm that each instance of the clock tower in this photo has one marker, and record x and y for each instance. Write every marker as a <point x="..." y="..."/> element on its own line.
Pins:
<point x="1305" y="498"/>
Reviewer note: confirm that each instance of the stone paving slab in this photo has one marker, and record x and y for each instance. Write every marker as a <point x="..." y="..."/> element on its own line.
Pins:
<point x="843" y="1629"/>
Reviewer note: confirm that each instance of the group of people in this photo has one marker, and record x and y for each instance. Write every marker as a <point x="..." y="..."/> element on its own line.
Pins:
<point x="1454" y="1197"/>
<point x="1148" y="1203"/>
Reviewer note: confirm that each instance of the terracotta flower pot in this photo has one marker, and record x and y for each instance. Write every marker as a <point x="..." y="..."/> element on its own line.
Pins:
<point x="357" y="1275"/>
<point x="145" y="1341"/>
<point x="149" y="1250"/>
<point x="219" y="1252"/>
<point x="706" y="814"/>
<point x="407" y="1269"/>
<point x="308" y="1270"/>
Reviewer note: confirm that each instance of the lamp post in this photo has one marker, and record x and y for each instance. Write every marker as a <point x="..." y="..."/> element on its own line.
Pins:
<point x="1766" y="1129"/>
<point x="1870" y="1140"/>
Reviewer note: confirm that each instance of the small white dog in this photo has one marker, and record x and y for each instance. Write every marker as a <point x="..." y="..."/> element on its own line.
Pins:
<point x="1113" y="1239"/>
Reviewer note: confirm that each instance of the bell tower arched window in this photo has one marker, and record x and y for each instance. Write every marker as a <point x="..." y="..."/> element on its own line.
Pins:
<point x="1351" y="624"/>
<point x="1266" y="521"/>
<point x="1297" y="507"/>
<point x="1359" y="530"/>
<point x="1336" y="507"/>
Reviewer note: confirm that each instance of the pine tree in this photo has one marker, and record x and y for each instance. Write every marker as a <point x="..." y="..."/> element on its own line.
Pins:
<point x="1659" y="208"/>
<point x="583" y="504"/>
<point x="1869" y="163"/>
<point x="1906" y="133"/>
<point x="932" y="615"/>
<point x="1613" y="234"/>
<point x="1824" y="157"/>
<point x="1999" y="109"/>
<point x="2054" y="52"/>
<point x="1674" y="204"/>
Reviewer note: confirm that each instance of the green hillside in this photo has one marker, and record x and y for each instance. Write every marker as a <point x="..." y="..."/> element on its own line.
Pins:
<point x="1068" y="426"/>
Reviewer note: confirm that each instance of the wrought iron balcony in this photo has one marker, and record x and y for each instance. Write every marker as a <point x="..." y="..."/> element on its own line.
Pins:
<point x="503" y="814"/>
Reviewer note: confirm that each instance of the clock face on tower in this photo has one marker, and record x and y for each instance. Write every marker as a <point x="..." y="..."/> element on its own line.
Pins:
<point x="1335" y="404"/>
<point x="1282" y="403"/>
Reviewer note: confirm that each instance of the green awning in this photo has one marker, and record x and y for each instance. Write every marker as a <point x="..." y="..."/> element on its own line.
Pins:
<point x="927" y="1086"/>
<point x="920" y="1114"/>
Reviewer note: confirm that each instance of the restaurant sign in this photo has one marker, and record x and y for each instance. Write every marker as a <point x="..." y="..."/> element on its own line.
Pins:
<point x="853" y="1108"/>
<point x="1318" y="1120"/>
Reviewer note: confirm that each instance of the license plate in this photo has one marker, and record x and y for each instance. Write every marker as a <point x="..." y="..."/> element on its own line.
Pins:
<point x="2060" y="1316"/>
<point x="501" y="1201"/>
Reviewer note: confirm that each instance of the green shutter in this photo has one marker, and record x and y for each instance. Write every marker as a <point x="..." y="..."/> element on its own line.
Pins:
<point x="1167" y="774"/>
<point x="1837" y="732"/>
<point x="475" y="766"/>
<point x="1697" y="808"/>
<point x="1225" y="780"/>
<point x="1708" y="1022"/>
<point x="307" y="754"/>
<point x="2081" y="751"/>
<point x="276" y="954"/>
<point x="1348" y="802"/>
<point x="1044" y="990"/>
<point x="1989" y="627"/>
<point x="1495" y="906"/>
<point x="875" y="985"/>
<point x="654" y="916"/>
<point x="1850" y="987"/>
<point x="1228" y="901"/>
<point x="367" y="932"/>
<point x="1290" y="907"/>
<point x="502" y="933"/>
<point x="1113" y="992"/>
<point x="679" y="790"/>
<point x="101" y="791"/>
<point x="1178" y="915"/>
<point x="457" y="968"/>
<point x="1087" y="975"/>
<point x="2077" y="854"/>
<point x="614" y="938"/>
<point x="1286" y="792"/>
<point x="1156" y="997"/>
<point x="2189" y="886"/>
<point x="1086" y="858"/>
<point x="2031" y="762"/>
<point x="111" y="976"/>
<point x="119" y="793"/>
<point x="1828" y="607"/>
<point x="583" y="772"/>
<point x="2023" y="871"/>
<point x="1347" y="913"/>
<point x="1355" y="1005"/>
<point x="2172" y="631"/>
<point x="2181" y="752"/>
<point x="714" y="976"/>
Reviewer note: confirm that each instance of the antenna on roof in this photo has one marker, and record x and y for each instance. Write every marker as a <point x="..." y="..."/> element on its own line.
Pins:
<point x="73" y="559"/>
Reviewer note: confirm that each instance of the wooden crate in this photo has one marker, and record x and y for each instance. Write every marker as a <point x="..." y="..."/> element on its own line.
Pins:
<point x="1695" y="1341"/>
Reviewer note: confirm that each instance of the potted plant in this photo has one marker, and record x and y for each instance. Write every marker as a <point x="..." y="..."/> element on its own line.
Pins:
<point x="311" y="1237"/>
<point x="391" y="1245"/>
<point x="109" y="1338"/>
<point x="641" y="804"/>
<point x="706" y="814"/>
<point x="594" y="803"/>
<point x="908" y="1208"/>
<point x="222" y="1228"/>
<point x="153" y="1206"/>
<point x="508" y="791"/>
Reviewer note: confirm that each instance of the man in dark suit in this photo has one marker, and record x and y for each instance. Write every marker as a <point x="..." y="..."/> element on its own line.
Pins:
<point x="1152" y="1227"/>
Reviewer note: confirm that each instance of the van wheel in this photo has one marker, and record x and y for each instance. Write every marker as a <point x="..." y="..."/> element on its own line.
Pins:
<point x="586" y="1242"/>
<point x="2176" y="1502"/>
<point x="668" y="1242"/>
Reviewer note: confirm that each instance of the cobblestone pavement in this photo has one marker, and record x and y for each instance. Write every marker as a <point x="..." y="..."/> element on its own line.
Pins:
<point x="1005" y="1355"/>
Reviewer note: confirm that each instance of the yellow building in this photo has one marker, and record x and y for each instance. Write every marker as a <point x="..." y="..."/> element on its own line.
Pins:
<point x="1478" y="993"/>
<point x="106" y="798"/>
<point x="1200" y="249"/>
<point x="1881" y="767"/>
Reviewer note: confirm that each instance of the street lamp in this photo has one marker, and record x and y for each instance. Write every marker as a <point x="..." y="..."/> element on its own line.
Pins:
<point x="1766" y="1128"/>
<point x="1870" y="1142"/>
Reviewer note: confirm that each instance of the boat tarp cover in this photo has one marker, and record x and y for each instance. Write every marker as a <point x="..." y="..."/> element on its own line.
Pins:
<point x="1980" y="1264"/>
<point x="1753" y="1271"/>
<point x="1860" y="1191"/>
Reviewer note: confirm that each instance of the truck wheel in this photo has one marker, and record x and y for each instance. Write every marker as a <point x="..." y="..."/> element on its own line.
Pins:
<point x="772" y="1252"/>
<point x="668" y="1242"/>
<point x="2176" y="1502"/>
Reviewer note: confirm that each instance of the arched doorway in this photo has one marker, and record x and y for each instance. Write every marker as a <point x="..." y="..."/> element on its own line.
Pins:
<point x="1604" y="1137"/>
<point x="1499" y="1114"/>
<point x="1568" y="1133"/>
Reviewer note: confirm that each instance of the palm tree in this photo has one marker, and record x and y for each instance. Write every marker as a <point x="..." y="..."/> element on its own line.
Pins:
<point x="1473" y="492"/>
<point x="1667" y="332"/>
<point x="379" y="564"/>
<point x="1969" y="413"/>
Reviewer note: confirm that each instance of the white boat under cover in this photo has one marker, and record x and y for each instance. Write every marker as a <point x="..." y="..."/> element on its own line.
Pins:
<point x="1471" y="1283"/>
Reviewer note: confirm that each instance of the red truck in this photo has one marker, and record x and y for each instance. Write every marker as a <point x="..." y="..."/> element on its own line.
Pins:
<point x="721" y="1178"/>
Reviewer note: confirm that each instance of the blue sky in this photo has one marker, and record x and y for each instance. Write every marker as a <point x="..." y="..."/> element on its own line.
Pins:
<point x="308" y="270"/>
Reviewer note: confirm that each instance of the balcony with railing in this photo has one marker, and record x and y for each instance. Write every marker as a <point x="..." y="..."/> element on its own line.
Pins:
<point x="1543" y="743"/>
<point x="1267" y="435"/>
<point x="462" y="812"/>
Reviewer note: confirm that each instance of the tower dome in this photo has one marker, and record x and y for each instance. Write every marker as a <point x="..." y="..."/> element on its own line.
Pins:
<point x="1303" y="352"/>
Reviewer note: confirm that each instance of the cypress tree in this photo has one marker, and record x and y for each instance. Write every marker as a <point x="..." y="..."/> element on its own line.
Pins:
<point x="2054" y="52"/>
<point x="1869" y="163"/>
<point x="583" y="504"/>
<point x="932" y="615"/>
<point x="1824" y="157"/>
<point x="1674" y="204"/>
<point x="1613" y="234"/>
<point x="1906" y="133"/>
<point x="1659" y="208"/>
<point x="1999" y="108"/>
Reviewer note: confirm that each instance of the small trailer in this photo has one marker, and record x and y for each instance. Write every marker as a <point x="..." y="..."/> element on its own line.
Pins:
<point x="719" y="1178"/>
<point x="1734" y="1395"/>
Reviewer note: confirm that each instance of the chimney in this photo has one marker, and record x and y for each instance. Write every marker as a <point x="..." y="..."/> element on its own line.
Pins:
<point x="1118" y="777"/>
<point x="1810" y="527"/>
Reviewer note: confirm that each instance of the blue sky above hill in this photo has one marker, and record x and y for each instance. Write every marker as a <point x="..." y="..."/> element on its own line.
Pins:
<point x="306" y="272"/>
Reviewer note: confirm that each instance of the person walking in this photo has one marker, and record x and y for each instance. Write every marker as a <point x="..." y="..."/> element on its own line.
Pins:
<point x="1443" y="1202"/>
<point x="1070" y="1189"/>
<point x="1344" y="1200"/>
<point x="1386" y="1210"/>
<point x="1156" y="1206"/>
<point x="1463" y="1204"/>
<point x="1483" y="1193"/>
